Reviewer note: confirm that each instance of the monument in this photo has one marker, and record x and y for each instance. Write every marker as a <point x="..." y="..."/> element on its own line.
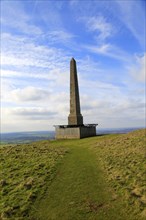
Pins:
<point x="75" y="128"/>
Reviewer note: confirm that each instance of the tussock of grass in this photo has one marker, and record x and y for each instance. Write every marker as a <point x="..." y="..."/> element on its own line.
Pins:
<point x="123" y="160"/>
<point x="25" y="171"/>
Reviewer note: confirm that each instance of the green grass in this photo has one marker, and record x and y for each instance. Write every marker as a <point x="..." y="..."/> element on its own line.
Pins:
<point x="123" y="160"/>
<point x="26" y="172"/>
<point x="79" y="190"/>
<point x="99" y="178"/>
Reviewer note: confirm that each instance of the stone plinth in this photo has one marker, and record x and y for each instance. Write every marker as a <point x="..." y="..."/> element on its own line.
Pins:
<point x="75" y="132"/>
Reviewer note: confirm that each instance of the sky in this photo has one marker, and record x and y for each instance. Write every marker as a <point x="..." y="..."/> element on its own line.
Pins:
<point x="38" y="40"/>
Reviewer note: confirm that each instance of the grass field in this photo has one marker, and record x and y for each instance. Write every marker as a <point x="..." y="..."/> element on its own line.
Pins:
<point x="26" y="172"/>
<point x="99" y="178"/>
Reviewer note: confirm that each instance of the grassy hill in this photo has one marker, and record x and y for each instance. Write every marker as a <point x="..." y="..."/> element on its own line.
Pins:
<point x="94" y="178"/>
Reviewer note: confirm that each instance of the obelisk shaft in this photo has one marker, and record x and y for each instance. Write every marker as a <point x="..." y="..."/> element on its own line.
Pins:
<point x="75" y="117"/>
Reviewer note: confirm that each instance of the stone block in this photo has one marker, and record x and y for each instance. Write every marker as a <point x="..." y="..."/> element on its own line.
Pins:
<point x="75" y="132"/>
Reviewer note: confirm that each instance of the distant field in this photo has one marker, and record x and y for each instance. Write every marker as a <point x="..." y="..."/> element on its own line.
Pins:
<point x="99" y="178"/>
<point x="26" y="137"/>
<point x="31" y="136"/>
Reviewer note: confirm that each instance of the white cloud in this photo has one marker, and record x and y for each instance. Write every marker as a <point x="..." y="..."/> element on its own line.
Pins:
<point x="110" y="111"/>
<point x="14" y="16"/>
<point x="109" y="50"/>
<point x="33" y="113"/>
<point x="29" y="94"/>
<point x="102" y="103"/>
<point x="99" y="25"/>
<point x="50" y="14"/>
<point x="60" y="36"/>
<point x="131" y="13"/>
<point x="21" y="74"/>
<point x="21" y="53"/>
<point x="138" y="69"/>
<point x="26" y="119"/>
<point x="32" y="55"/>
<point x="107" y="112"/>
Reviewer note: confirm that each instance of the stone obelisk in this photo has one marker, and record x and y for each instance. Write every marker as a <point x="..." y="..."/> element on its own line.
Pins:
<point x="75" y="128"/>
<point x="75" y="117"/>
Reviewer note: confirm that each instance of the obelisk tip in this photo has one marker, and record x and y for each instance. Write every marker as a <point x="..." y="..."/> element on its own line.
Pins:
<point x="72" y="59"/>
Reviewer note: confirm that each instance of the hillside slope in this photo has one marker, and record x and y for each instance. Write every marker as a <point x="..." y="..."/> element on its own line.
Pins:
<point x="122" y="159"/>
<point x="25" y="170"/>
<point x="94" y="178"/>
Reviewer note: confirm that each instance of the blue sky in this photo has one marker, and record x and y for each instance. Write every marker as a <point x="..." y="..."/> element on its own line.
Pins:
<point x="38" y="39"/>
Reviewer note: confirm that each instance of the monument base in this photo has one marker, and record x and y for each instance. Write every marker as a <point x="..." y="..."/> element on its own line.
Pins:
<point x="75" y="132"/>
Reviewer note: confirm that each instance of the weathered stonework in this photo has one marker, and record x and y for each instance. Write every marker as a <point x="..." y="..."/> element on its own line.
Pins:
<point x="75" y="128"/>
<point x="75" y="117"/>
<point x="75" y="132"/>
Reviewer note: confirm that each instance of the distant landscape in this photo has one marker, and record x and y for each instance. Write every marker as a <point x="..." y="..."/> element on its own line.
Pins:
<point x="26" y="137"/>
<point x="30" y="136"/>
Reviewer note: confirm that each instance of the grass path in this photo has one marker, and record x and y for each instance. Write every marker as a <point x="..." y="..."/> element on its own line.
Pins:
<point x="79" y="190"/>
